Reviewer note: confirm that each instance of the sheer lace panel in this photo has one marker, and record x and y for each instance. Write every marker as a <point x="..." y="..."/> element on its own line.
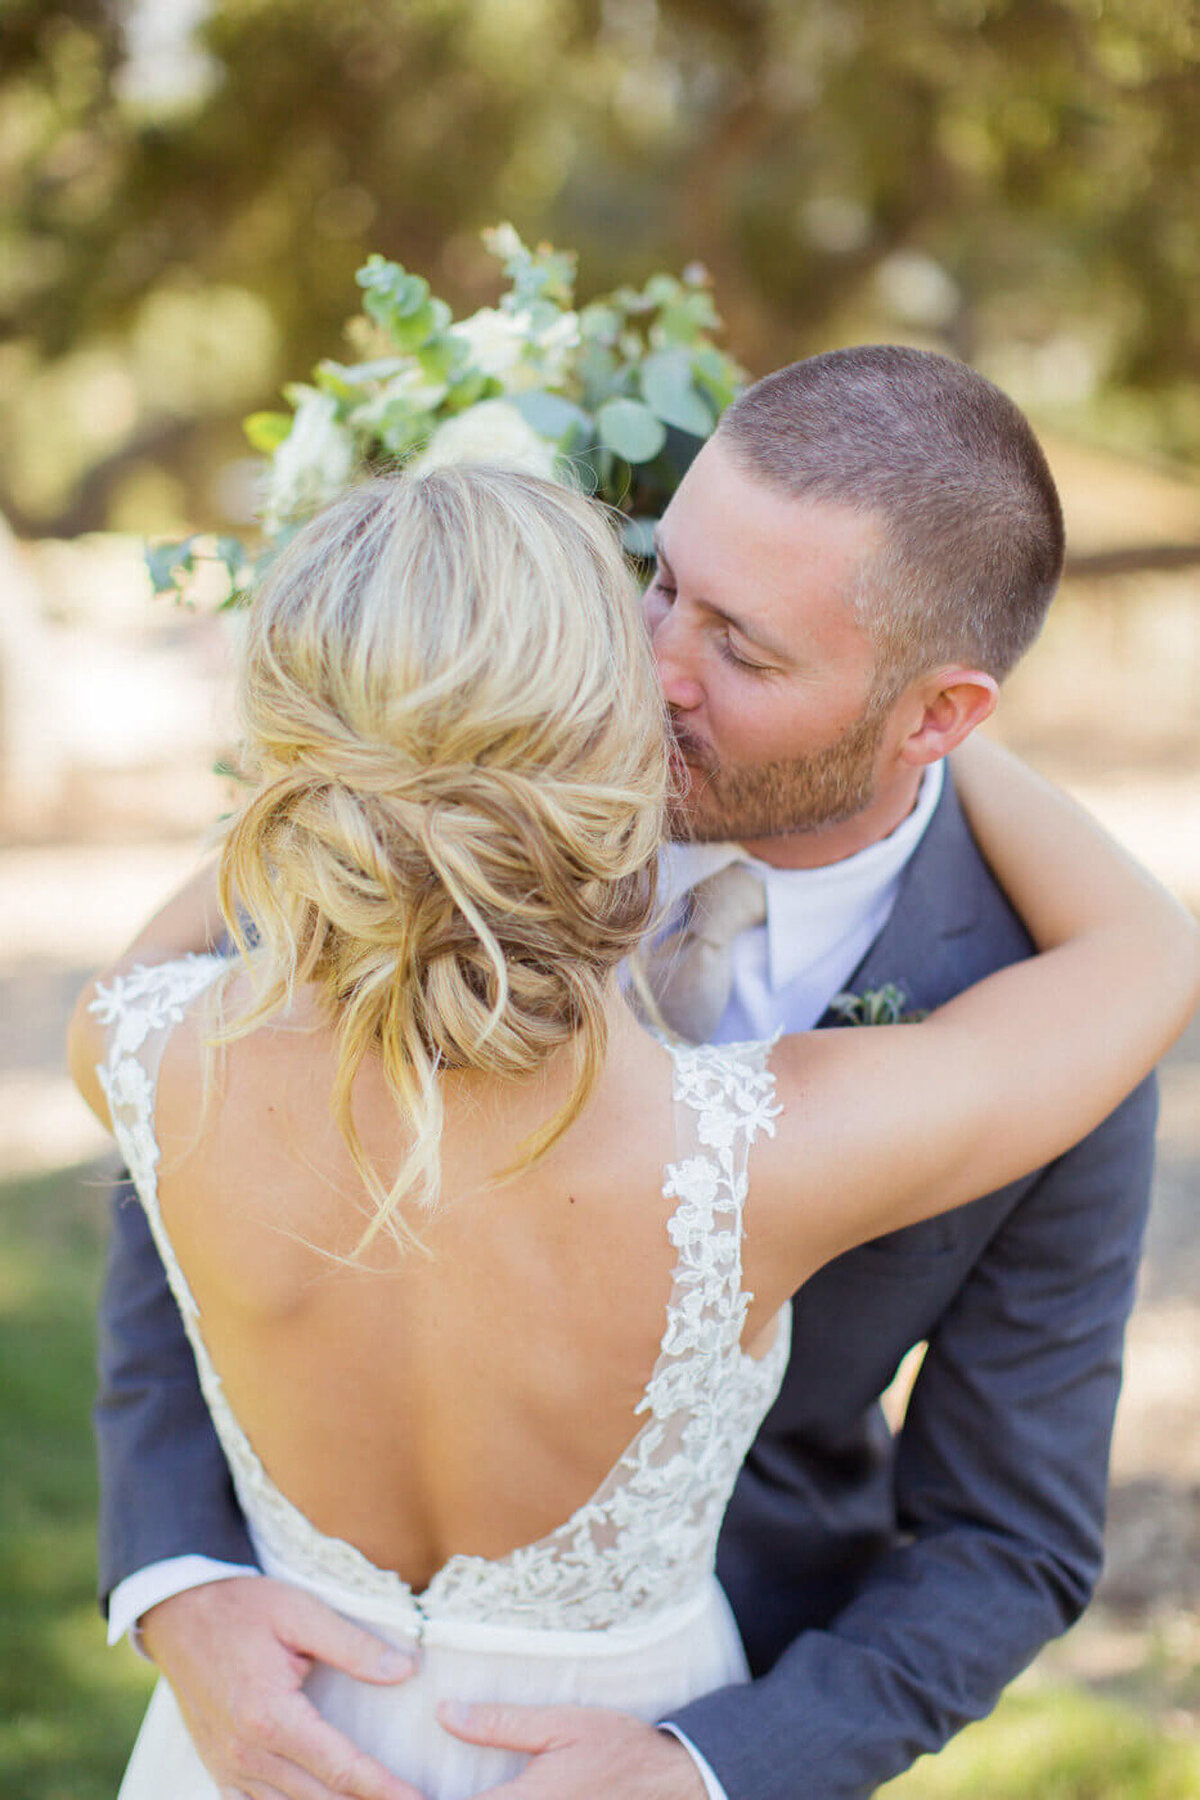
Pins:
<point x="646" y="1540"/>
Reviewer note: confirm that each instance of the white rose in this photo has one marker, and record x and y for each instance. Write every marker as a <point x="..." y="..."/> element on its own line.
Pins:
<point x="554" y="347"/>
<point x="495" y="339"/>
<point x="313" y="464"/>
<point x="494" y="432"/>
<point x="505" y="346"/>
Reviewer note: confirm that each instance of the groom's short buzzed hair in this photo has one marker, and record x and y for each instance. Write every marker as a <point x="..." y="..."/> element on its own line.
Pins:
<point x="973" y="535"/>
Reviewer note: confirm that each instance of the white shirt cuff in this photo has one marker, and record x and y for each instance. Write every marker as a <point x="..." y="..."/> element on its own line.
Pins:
<point x="712" y="1786"/>
<point x="133" y="1597"/>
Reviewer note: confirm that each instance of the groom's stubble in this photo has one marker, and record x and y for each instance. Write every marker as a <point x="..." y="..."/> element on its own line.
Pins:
<point x="743" y="802"/>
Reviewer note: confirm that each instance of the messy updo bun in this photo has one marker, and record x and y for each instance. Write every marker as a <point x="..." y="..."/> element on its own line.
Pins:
<point x="457" y="748"/>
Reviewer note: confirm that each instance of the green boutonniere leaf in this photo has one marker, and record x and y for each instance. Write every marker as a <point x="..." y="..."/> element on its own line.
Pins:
<point x="886" y="1005"/>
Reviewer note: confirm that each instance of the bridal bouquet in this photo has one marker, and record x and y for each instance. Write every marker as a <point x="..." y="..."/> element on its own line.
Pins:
<point x="616" y="395"/>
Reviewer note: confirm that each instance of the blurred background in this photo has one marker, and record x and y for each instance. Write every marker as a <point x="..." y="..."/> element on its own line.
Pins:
<point x="186" y="190"/>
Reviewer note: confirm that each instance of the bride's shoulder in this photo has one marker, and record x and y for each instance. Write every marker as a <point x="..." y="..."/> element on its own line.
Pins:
<point x="742" y="1075"/>
<point x="123" y="1016"/>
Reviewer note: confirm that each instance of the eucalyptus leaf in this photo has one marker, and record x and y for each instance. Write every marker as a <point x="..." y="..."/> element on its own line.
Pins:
<point x="398" y="428"/>
<point x="630" y="429"/>
<point x="599" y="373"/>
<point x="401" y="303"/>
<point x="379" y="368"/>
<point x="232" y="552"/>
<point x="166" y="562"/>
<point x="465" y="390"/>
<point x="334" y="379"/>
<point x="443" y="357"/>
<point x="716" y="374"/>
<point x="411" y="330"/>
<point x="600" y="323"/>
<point x="541" y="275"/>
<point x="666" y="380"/>
<point x="551" y="416"/>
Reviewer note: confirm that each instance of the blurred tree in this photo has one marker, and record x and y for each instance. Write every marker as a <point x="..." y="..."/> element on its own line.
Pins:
<point x="1016" y="180"/>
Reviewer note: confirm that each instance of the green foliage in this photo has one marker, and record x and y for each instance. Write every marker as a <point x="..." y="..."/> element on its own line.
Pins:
<point x="886" y="1005"/>
<point x="172" y="567"/>
<point x="1055" y="1746"/>
<point x="401" y="304"/>
<point x="1017" y="181"/>
<point x="69" y="1708"/>
<point x="265" y="431"/>
<point x="622" y="393"/>
<point x="630" y="429"/>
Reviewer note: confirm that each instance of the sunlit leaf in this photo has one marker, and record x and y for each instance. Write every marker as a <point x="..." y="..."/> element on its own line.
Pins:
<point x="265" y="431"/>
<point x="630" y="429"/>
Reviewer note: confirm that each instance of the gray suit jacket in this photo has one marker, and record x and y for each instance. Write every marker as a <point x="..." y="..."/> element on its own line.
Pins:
<point x="886" y="1592"/>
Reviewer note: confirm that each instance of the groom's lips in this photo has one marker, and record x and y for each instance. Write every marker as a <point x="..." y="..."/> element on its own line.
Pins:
<point x="688" y="755"/>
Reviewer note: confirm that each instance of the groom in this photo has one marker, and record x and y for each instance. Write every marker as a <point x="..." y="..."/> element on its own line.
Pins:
<point x="848" y="570"/>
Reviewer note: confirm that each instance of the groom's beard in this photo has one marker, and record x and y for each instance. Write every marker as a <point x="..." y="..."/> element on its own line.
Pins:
<point x="741" y="803"/>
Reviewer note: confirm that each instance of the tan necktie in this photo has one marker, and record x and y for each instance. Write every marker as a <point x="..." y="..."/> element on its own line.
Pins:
<point x="691" y="974"/>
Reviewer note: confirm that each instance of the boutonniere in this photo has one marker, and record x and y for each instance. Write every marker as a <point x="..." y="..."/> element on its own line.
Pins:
<point x="886" y="1005"/>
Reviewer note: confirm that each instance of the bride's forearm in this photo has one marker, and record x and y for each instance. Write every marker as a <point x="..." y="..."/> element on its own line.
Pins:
<point x="1064" y="875"/>
<point x="1015" y="1069"/>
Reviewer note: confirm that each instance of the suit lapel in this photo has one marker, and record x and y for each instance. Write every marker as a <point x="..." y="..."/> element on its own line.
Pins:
<point x="921" y="946"/>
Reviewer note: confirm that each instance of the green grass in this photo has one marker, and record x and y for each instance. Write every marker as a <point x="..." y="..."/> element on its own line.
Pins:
<point x="69" y="1708"/>
<point x="1061" y="1745"/>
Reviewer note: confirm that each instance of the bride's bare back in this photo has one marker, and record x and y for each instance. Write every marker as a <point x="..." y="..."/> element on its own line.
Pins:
<point x="421" y="1406"/>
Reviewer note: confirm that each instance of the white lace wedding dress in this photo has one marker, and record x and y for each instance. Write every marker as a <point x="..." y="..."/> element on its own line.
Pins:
<point x="619" y="1607"/>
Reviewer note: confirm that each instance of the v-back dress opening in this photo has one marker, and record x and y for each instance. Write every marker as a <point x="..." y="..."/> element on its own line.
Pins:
<point x="617" y="1607"/>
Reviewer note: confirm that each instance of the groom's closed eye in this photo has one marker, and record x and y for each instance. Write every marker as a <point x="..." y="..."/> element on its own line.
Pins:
<point x="729" y="653"/>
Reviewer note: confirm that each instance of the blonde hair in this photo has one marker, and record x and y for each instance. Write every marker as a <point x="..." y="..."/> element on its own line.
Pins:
<point x="458" y="748"/>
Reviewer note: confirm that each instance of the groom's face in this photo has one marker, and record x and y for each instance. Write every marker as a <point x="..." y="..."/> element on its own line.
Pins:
<point x="768" y="674"/>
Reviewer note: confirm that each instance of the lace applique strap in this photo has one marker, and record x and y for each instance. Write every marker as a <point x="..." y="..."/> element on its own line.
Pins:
<point x="138" y="1010"/>
<point x="724" y="1096"/>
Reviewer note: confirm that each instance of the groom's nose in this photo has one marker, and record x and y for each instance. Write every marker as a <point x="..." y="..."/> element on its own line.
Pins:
<point x="681" y="690"/>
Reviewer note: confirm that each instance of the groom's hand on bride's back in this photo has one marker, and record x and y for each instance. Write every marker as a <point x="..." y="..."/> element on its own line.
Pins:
<point x="236" y="1654"/>
<point x="579" y="1752"/>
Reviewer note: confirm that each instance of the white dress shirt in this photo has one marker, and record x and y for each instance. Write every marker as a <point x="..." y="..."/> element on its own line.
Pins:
<point x="820" y="924"/>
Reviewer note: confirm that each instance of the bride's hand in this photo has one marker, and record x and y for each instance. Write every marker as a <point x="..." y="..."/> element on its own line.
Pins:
<point x="236" y="1654"/>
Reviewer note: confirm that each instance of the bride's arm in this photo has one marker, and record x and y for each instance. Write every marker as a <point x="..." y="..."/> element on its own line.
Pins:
<point x="891" y="1126"/>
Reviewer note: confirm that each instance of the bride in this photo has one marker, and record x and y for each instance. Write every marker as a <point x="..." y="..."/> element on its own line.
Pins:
<point x="487" y="1284"/>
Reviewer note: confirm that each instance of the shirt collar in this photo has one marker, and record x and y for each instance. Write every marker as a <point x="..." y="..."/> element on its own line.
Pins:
<point x="800" y="899"/>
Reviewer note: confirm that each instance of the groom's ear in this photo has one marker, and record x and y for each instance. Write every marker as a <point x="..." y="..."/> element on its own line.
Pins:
<point x="945" y="707"/>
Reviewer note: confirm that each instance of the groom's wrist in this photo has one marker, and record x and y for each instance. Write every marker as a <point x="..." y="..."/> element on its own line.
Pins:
<point x="712" y="1787"/>
<point x="132" y="1598"/>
